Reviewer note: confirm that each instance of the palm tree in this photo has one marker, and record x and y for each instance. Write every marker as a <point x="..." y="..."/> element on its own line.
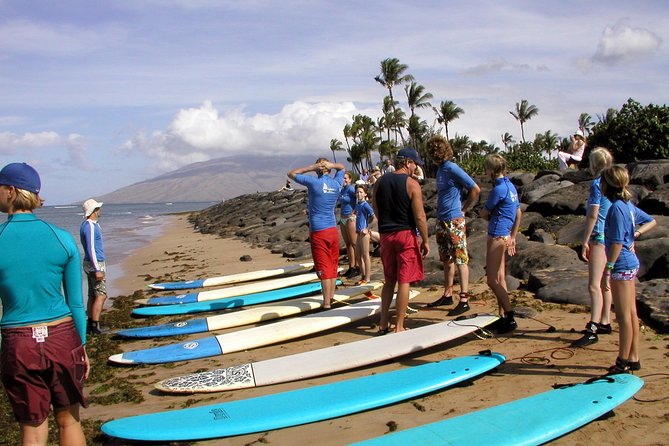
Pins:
<point x="335" y="145"/>
<point x="461" y="146"/>
<point x="347" y="135"/>
<point x="507" y="140"/>
<point x="524" y="112"/>
<point x="546" y="142"/>
<point x="417" y="97"/>
<point x="388" y="114"/>
<point x="483" y="147"/>
<point x="585" y="124"/>
<point x="447" y="112"/>
<point x="393" y="73"/>
<point x="608" y="116"/>
<point x="417" y="131"/>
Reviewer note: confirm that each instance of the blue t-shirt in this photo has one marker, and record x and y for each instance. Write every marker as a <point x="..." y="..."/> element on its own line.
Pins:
<point x="596" y="198"/>
<point x="347" y="200"/>
<point x="451" y="180"/>
<point x="364" y="214"/>
<point x="40" y="274"/>
<point x="322" y="193"/>
<point x="502" y="203"/>
<point x="621" y="220"/>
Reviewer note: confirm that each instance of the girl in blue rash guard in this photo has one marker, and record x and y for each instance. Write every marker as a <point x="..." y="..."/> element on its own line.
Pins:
<point x="364" y="217"/>
<point x="594" y="253"/>
<point x="624" y="224"/>
<point x="347" y="201"/>
<point x="502" y="210"/>
<point x="43" y="361"/>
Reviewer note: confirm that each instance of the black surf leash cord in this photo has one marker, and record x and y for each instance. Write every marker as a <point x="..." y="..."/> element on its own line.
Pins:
<point x="656" y="400"/>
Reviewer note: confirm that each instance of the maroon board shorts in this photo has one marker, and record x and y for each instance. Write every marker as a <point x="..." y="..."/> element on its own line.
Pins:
<point x="40" y="371"/>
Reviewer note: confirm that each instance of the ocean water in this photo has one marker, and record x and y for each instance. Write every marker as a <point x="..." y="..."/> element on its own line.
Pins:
<point x="125" y="228"/>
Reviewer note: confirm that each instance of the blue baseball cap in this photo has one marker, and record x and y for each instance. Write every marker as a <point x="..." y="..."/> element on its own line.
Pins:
<point x="21" y="176"/>
<point x="411" y="154"/>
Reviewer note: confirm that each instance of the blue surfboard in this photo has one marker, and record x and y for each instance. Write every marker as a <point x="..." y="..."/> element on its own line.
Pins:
<point x="230" y="302"/>
<point x="300" y="406"/>
<point x="528" y="421"/>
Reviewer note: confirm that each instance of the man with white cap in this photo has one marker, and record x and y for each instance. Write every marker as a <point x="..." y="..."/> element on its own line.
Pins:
<point x="94" y="264"/>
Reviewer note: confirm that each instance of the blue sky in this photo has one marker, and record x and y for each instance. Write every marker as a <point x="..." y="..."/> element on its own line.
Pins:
<point x="98" y="95"/>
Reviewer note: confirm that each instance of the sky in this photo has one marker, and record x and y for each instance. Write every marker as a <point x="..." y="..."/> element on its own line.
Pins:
<point x="98" y="95"/>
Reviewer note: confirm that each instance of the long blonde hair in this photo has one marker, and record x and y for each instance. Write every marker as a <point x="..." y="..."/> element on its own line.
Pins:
<point x="615" y="182"/>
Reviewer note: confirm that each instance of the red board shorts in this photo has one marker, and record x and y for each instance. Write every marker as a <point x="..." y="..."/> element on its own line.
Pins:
<point x="401" y="257"/>
<point x="37" y="375"/>
<point x="325" y="252"/>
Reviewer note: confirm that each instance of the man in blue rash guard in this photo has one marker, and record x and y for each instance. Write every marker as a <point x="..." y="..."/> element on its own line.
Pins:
<point x="43" y="358"/>
<point x="323" y="192"/>
<point x="94" y="264"/>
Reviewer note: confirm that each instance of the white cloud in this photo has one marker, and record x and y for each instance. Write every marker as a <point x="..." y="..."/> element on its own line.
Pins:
<point x="35" y="38"/>
<point x="76" y="149"/>
<point x="11" y="142"/>
<point x="621" y="43"/>
<point x="199" y="134"/>
<point x="74" y="145"/>
<point x="502" y="65"/>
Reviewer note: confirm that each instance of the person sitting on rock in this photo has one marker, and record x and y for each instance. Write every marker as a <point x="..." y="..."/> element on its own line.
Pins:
<point x="574" y="153"/>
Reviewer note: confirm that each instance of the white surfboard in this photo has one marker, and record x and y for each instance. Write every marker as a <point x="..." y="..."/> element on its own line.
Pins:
<point x="232" y="278"/>
<point x="231" y="291"/>
<point x="325" y="360"/>
<point x="252" y="315"/>
<point x="253" y="337"/>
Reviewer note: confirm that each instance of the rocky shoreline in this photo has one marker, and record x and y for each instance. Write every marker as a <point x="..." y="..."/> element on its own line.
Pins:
<point x="547" y="263"/>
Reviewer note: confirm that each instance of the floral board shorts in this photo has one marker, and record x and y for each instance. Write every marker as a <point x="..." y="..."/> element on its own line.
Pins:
<point x="345" y="219"/>
<point x="452" y="241"/>
<point x="627" y="274"/>
<point x="597" y="238"/>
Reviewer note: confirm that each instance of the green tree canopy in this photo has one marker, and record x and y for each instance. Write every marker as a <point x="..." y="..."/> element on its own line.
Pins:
<point x="634" y="133"/>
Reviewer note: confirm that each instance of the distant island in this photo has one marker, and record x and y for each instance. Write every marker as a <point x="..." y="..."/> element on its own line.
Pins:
<point x="214" y="180"/>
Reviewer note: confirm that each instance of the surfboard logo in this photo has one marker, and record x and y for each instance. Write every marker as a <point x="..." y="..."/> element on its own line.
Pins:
<point x="219" y="414"/>
<point x="180" y="324"/>
<point x="180" y="296"/>
<point x="191" y="345"/>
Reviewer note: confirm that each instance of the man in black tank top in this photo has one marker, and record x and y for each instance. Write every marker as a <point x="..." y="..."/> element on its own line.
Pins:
<point x="398" y="203"/>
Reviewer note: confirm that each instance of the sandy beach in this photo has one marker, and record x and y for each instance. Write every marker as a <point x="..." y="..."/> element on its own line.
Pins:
<point x="537" y="358"/>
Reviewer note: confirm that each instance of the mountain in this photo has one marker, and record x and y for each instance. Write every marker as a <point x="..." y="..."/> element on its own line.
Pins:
<point x="214" y="180"/>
